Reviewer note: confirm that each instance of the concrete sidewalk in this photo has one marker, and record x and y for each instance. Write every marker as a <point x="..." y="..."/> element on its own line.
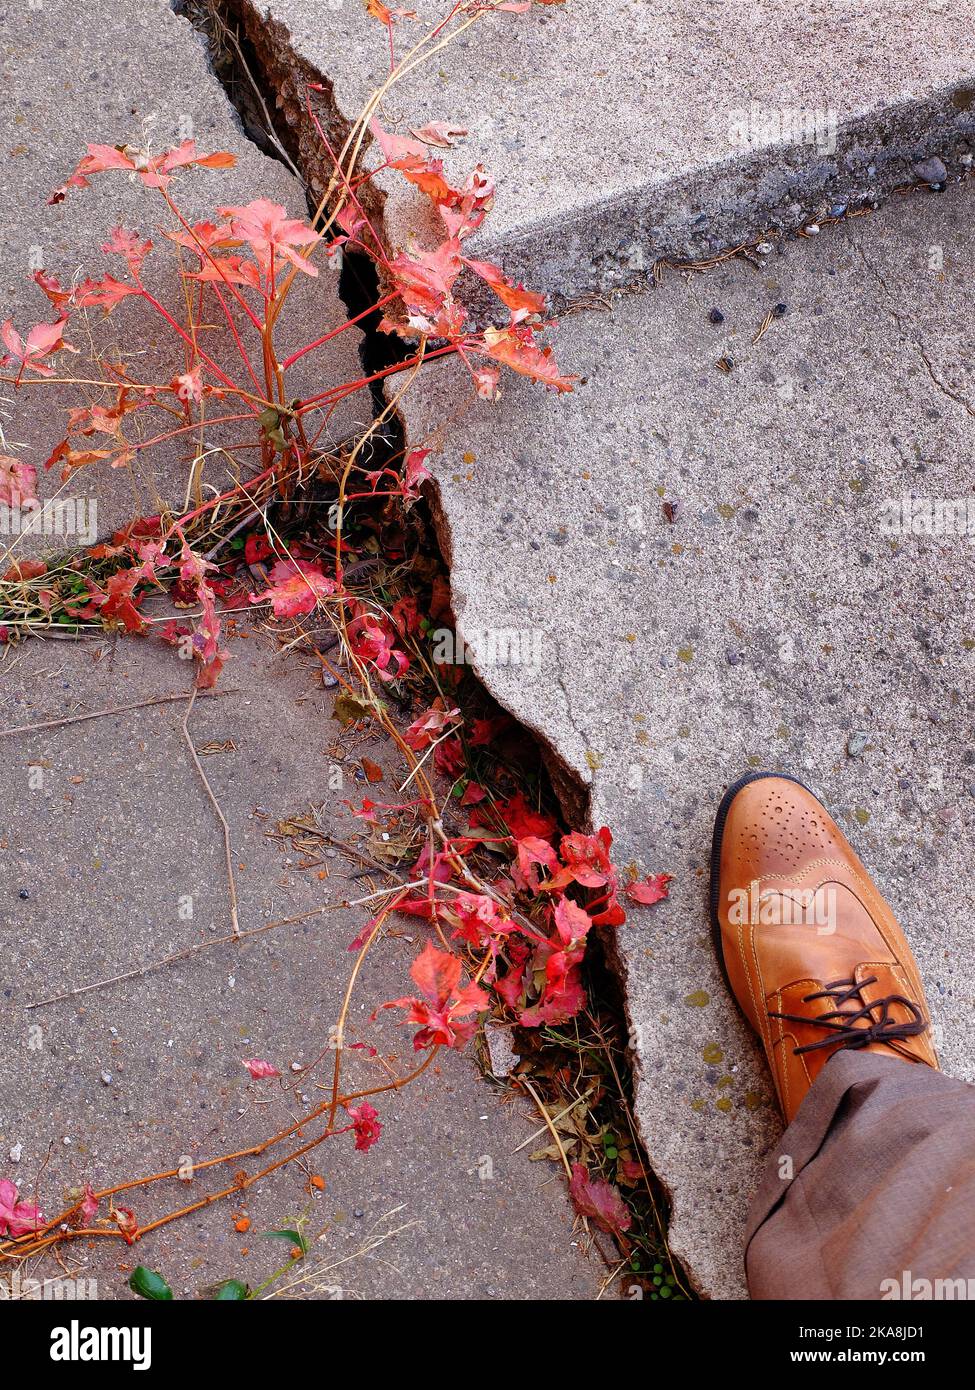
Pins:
<point x="106" y="834"/>
<point x="621" y="133"/>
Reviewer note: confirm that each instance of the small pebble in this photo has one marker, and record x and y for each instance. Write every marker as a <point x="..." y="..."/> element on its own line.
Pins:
<point x="813" y="229"/>
<point x="931" y="170"/>
<point x="779" y="310"/>
<point x="24" y="894"/>
<point x="734" y="658"/>
<point x="716" y="316"/>
<point x="857" y="742"/>
<point x="765" y="248"/>
<point x="358" y="1213"/>
<point x="106" y="1078"/>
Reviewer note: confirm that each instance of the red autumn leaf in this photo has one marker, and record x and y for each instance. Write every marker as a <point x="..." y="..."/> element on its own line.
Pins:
<point x="154" y="172"/>
<point x="371" y="639"/>
<point x="444" y="1009"/>
<point x="522" y="303"/>
<point x="120" y="603"/>
<point x="586" y="859"/>
<point x="51" y="286"/>
<point x="41" y="341"/>
<point x="653" y="889"/>
<point x="296" y="587"/>
<point x="425" y="283"/>
<point x="89" y="1205"/>
<point x="127" y="1223"/>
<point x="18" y="483"/>
<point x="532" y="851"/>
<point x="448" y="758"/>
<point x="440" y="133"/>
<point x="73" y="459"/>
<point x="520" y="818"/>
<point x="415" y="473"/>
<point x="22" y="570"/>
<point x="559" y="1004"/>
<point x="259" y="1069"/>
<point x="479" y="920"/>
<point x="516" y="348"/>
<point x="366" y="1124"/>
<point x="17" y="1218"/>
<point x="428" y="727"/>
<point x="256" y="549"/>
<point x="103" y="294"/>
<point x="599" y="1200"/>
<point x="387" y="14"/>
<point x="127" y="244"/>
<point x="269" y="232"/>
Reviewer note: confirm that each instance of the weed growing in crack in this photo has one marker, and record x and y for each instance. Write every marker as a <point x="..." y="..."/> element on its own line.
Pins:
<point x="509" y="901"/>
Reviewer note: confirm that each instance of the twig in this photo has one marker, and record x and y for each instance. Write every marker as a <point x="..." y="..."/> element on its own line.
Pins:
<point x="228" y="852"/>
<point x="550" y="1126"/>
<point x="182" y="955"/>
<point x="115" y="709"/>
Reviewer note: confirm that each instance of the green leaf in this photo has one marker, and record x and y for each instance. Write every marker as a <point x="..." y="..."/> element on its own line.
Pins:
<point x="348" y="709"/>
<point x="148" y="1284"/>
<point x="293" y="1237"/>
<point x="231" y="1290"/>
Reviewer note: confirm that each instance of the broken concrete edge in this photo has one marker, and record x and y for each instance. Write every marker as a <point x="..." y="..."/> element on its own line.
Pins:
<point x="573" y="789"/>
<point x="288" y="77"/>
<point x="572" y="782"/>
<point x="777" y="188"/>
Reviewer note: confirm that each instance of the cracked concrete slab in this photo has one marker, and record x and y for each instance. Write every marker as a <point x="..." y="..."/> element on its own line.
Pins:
<point x="722" y="575"/>
<point x="138" y="75"/>
<point x="622" y="133"/>
<point x="105" y="837"/>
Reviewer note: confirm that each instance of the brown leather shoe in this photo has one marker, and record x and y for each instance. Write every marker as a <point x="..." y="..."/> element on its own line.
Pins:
<point x="810" y="950"/>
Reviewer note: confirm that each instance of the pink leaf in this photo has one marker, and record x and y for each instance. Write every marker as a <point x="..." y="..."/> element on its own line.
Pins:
<point x="259" y="1069"/>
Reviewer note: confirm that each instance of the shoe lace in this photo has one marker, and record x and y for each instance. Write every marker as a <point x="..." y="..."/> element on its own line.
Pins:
<point x="845" y="1033"/>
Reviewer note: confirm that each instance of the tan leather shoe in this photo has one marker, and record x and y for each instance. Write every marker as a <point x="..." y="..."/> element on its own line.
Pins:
<point x="810" y="950"/>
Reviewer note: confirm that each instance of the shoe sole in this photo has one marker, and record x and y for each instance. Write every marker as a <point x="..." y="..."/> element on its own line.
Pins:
<point x="716" y="841"/>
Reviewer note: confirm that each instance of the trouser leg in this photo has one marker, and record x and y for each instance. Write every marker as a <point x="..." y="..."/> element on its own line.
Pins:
<point x="871" y="1188"/>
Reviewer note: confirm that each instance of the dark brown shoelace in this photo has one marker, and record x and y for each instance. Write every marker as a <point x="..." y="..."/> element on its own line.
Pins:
<point x="845" y="1033"/>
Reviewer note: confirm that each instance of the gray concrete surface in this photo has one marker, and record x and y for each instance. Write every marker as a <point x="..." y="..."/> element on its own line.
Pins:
<point x="778" y="622"/>
<point x="131" y="73"/>
<point x="105" y="827"/>
<point x="620" y="133"/>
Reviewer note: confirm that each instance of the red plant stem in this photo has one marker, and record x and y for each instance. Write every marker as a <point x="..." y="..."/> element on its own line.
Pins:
<point x="215" y="501"/>
<point x="195" y="424"/>
<point x="352" y="387"/>
<point x="345" y="180"/>
<point x="335" y="331"/>
<point x="151" y="299"/>
<point x="204" y="251"/>
<point x="237" y="339"/>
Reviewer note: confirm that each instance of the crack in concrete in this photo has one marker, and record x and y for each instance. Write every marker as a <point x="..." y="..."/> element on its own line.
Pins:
<point x="911" y="340"/>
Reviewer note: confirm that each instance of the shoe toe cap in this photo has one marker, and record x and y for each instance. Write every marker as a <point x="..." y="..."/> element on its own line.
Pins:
<point x="776" y="826"/>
